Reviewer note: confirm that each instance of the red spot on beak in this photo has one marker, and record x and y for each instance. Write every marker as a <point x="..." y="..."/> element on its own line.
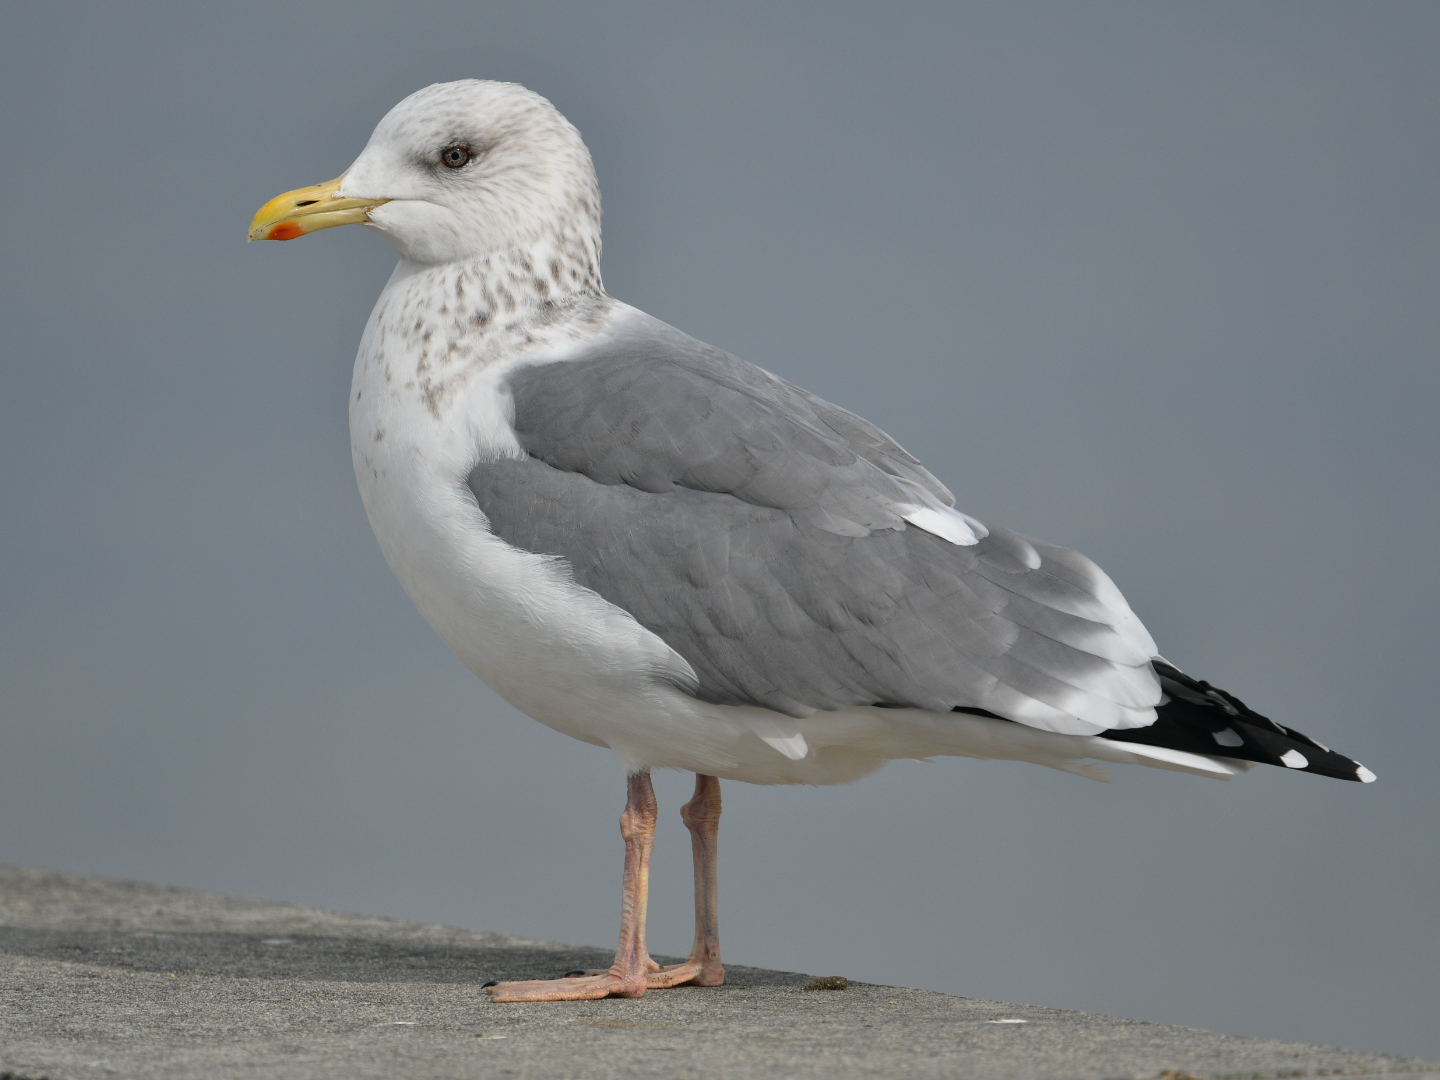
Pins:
<point x="286" y="230"/>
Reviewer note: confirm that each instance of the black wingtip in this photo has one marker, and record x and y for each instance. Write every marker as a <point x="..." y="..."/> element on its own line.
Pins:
<point x="1203" y="719"/>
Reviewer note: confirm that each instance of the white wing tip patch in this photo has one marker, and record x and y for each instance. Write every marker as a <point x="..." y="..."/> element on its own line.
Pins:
<point x="1364" y="775"/>
<point x="946" y="524"/>
<point x="1293" y="759"/>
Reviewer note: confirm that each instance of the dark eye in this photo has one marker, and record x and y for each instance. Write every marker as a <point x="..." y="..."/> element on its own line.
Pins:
<point x="455" y="157"/>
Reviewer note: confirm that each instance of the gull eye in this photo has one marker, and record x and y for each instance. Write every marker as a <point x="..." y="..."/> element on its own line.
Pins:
<point x="455" y="157"/>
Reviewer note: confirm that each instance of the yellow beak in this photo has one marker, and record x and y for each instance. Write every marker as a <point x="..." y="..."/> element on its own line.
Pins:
<point x="307" y="210"/>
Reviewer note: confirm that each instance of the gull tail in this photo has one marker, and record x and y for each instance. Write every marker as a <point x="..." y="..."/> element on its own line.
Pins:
<point x="1198" y="718"/>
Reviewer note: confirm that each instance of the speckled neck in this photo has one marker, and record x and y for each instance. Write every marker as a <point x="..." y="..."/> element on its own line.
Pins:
<point x="435" y="327"/>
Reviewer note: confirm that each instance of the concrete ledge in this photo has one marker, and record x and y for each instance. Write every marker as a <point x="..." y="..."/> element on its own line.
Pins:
<point x="103" y="978"/>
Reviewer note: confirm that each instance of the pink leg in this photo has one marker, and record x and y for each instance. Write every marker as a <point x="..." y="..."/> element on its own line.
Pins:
<point x="627" y="977"/>
<point x="702" y="817"/>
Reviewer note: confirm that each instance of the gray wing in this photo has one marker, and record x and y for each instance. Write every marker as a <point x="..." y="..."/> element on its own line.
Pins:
<point x="762" y="534"/>
<point x="656" y="410"/>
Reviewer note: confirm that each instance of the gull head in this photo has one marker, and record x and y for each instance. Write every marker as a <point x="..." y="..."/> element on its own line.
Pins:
<point x="459" y="171"/>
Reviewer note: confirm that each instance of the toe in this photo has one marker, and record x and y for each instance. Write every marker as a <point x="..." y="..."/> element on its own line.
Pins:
<point x="583" y="988"/>
<point x="677" y="975"/>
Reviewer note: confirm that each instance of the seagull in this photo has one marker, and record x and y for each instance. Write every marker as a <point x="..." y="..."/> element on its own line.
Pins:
<point x="650" y="545"/>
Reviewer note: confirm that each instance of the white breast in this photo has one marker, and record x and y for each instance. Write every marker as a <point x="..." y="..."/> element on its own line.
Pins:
<point x="556" y="651"/>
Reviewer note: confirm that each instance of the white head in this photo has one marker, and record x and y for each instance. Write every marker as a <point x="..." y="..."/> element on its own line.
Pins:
<point x="461" y="171"/>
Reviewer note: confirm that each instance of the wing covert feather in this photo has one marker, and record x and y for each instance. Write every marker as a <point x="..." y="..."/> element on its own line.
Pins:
<point x="762" y="533"/>
<point x="777" y="612"/>
<point x="657" y="410"/>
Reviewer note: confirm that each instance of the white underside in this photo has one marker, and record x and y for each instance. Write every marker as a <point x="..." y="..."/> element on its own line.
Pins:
<point x="578" y="664"/>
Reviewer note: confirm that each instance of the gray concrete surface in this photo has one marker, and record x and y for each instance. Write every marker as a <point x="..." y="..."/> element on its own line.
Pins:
<point x="106" y="978"/>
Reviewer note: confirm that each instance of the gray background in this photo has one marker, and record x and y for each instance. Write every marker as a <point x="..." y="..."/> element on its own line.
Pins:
<point x="1155" y="281"/>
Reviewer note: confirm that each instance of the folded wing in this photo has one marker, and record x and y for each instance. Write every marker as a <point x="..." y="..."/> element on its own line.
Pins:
<point x="795" y="555"/>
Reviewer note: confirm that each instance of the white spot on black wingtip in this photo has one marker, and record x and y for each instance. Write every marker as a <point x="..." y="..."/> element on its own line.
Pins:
<point x="1228" y="737"/>
<point x="1293" y="759"/>
<point x="1364" y="775"/>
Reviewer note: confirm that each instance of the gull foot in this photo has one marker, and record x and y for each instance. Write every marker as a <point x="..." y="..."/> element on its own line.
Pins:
<point x="612" y="983"/>
<point x="690" y="973"/>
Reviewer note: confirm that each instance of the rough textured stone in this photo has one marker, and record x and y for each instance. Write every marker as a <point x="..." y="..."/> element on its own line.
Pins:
<point x="103" y="978"/>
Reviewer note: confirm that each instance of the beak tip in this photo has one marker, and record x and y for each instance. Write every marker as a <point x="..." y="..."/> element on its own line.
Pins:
<point x="307" y="210"/>
<point x="284" y="230"/>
